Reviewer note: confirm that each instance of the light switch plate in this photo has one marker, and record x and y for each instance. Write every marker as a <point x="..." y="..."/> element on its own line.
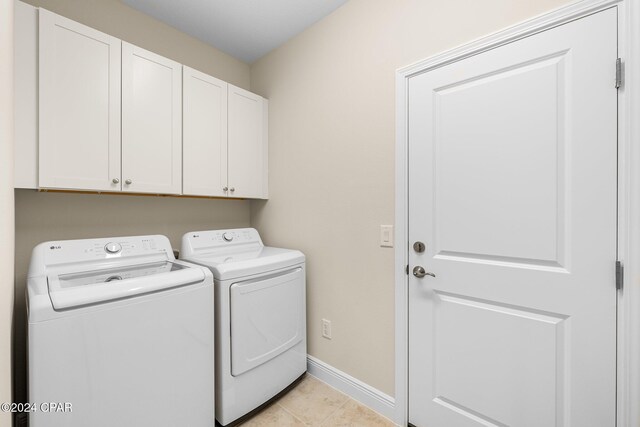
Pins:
<point x="386" y="236"/>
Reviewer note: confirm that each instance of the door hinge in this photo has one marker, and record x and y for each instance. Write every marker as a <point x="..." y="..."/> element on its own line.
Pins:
<point x="619" y="275"/>
<point x="406" y="270"/>
<point x="619" y="74"/>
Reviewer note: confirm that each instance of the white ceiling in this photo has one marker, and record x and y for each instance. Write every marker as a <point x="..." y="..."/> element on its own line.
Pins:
<point x="245" y="29"/>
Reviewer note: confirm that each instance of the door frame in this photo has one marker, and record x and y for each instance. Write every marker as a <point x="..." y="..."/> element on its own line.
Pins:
<point x="628" y="321"/>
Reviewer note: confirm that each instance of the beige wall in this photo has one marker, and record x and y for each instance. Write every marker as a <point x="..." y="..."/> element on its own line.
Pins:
<point x="54" y="216"/>
<point x="119" y="20"/>
<point x="331" y="152"/>
<point x="6" y="202"/>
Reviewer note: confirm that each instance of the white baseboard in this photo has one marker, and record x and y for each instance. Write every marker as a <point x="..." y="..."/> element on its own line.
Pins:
<point x="352" y="387"/>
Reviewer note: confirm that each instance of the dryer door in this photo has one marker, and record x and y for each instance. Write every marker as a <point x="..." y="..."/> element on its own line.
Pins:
<point x="267" y="318"/>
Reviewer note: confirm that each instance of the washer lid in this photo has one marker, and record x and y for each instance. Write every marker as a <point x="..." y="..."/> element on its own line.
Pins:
<point x="75" y="289"/>
<point x="233" y="264"/>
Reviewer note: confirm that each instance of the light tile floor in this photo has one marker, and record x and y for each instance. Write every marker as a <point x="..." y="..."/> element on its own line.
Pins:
<point x="314" y="403"/>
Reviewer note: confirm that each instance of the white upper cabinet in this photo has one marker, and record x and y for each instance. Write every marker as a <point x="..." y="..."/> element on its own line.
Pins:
<point x="79" y="106"/>
<point x="151" y="122"/>
<point x="95" y="113"/>
<point x="247" y="157"/>
<point x="204" y="137"/>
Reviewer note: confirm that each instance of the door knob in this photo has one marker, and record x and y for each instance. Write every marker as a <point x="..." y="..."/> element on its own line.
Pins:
<point x="115" y="181"/>
<point x="225" y="188"/>
<point x="128" y="182"/>
<point x="420" y="272"/>
<point x="232" y="189"/>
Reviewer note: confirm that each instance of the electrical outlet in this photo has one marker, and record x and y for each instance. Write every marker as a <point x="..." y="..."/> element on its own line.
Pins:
<point x="326" y="328"/>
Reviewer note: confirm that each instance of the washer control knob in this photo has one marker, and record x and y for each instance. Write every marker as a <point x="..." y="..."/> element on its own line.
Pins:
<point x="112" y="248"/>
<point x="227" y="237"/>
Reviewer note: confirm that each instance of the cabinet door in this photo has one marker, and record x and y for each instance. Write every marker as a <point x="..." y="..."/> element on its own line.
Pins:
<point x="247" y="158"/>
<point x="204" y="136"/>
<point x="79" y="109"/>
<point x="25" y="97"/>
<point x="151" y="122"/>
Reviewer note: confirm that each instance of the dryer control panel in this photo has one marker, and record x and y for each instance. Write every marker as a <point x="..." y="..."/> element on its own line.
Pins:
<point x="214" y="239"/>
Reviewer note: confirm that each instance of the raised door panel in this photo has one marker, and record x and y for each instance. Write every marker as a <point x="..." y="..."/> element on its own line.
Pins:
<point x="79" y="109"/>
<point x="247" y="144"/>
<point x="204" y="137"/>
<point x="151" y="122"/>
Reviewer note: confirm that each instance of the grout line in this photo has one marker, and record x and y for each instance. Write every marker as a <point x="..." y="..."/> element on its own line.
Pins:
<point x="329" y="385"/>
<point x="350" y="398"/>
<point x="334" y="412"/>
<point x="322" y="421"/>
<point x="290" y="413"/>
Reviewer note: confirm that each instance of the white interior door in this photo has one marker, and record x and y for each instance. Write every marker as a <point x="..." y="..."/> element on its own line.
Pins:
<point x="204" y="142"/>
<point x="512" y="189"/>
<point x="151" y="122"/>
<point x="79" y="108"/>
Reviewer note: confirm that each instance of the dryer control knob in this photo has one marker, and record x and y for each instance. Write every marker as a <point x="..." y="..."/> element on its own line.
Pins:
<point x="227" y="237"/>
<point x="112" y="248"/>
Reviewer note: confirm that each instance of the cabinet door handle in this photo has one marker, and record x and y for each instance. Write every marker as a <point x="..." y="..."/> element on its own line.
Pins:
<point x="232" y="189"/>
<point x="128" y="182"/>
<point x="115" y="181"/>
<point x="225" y="188"/>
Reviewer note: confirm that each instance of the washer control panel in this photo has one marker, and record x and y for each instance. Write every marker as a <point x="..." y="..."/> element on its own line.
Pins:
<point x="94" y="249"/>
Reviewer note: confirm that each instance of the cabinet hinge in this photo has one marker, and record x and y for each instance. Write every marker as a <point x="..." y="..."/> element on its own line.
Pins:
<point x="619" y="275"/>
<point x="619" y="73"/>
<point x="406" y="270"/>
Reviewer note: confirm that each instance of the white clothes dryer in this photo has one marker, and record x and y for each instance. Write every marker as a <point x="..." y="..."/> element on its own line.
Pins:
<point x="121" y="332"/>
<point x="260" y="336"/>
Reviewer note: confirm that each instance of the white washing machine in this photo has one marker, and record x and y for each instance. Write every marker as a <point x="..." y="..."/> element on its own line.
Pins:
<point x="121" y="334"/>
<point x="261" y="341"/>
